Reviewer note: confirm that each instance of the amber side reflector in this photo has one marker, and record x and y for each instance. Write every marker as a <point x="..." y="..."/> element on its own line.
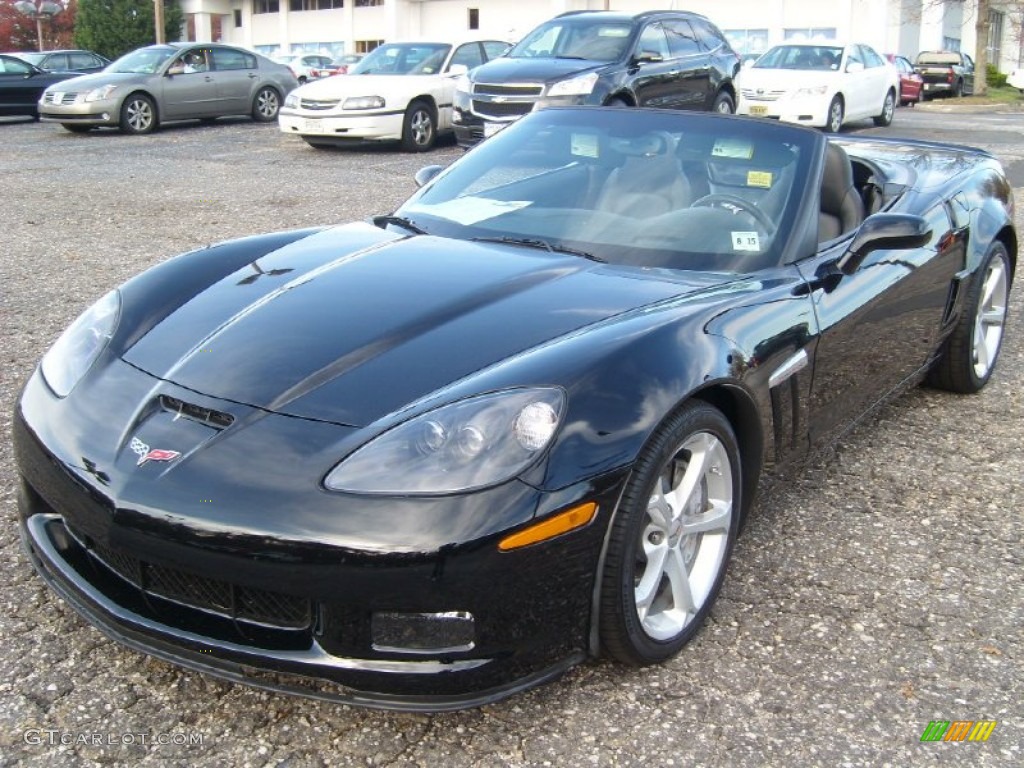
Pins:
<point x="561" y="523"/>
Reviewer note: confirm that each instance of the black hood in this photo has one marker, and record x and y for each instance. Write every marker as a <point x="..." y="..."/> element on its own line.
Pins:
<point x="549" y="70"/>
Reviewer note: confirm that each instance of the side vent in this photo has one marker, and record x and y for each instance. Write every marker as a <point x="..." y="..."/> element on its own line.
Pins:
<point x="208" y="416"/>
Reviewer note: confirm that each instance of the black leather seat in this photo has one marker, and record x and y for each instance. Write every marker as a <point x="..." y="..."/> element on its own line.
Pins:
<point x="842" y="209"/>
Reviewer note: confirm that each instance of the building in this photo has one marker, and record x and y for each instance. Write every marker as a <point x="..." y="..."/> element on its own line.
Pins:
<point x="346" y="26"/>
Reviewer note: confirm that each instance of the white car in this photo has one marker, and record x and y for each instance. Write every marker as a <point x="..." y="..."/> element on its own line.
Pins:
<point x="399" y="91"/>
<point x="305" y="66"/>
<point x="1016" y="79"/>
<point x="820" y="84"/>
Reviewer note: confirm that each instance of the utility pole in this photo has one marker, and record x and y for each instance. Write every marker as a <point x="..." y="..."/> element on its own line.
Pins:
<point x="158" y="17"/>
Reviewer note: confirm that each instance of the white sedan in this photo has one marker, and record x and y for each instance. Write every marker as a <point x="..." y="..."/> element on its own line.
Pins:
<point x="820" y="84"/>
<point x="399" y="91"/>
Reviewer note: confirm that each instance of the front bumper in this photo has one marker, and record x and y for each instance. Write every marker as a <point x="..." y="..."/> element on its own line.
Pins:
<point x="810" y="112"/>
<point x="298" y="614"/>
<point x="105" y="112"/>
<point x="359" y="126"/>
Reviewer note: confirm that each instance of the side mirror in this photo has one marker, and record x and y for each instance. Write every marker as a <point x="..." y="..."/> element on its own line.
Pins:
<point x="648" y="57"/>
<point x="426" y="174"/>
<point x="894" y="231"/>
<point x="854" y="66"/>
<point x="458" y="70"/>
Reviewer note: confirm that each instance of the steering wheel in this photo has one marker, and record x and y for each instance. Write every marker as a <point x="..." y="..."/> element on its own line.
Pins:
<point x="721" y="199"/>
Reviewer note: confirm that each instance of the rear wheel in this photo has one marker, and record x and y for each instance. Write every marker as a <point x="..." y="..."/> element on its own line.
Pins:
<point x="672" y="537"/>
<point x="888" y="107"/>
<point x="138" y="114"/>
<point x="419" y="130"/>
<point x="723" y="104"/>
<point x="835" y="115"/>
<point x="265" y="105"/>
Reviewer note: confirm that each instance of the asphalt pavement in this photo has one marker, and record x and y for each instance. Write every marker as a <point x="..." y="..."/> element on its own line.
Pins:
<point x="877" y="591"/>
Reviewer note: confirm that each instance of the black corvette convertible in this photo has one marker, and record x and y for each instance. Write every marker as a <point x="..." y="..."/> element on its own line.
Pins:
<point x="427" y="461"/>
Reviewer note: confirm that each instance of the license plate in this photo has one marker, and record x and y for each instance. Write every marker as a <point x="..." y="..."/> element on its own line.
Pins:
<point x="492" y="128"/>
<point x="759" y="110"/>
<point x="314" y="126"/>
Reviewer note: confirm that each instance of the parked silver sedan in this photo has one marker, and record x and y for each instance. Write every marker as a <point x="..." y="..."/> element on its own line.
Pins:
<point x="163" y="83"/>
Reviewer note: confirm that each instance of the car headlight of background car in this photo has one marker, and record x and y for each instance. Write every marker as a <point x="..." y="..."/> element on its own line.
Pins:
<point x="577" y="86"/>
<point x="363" y="102"/>
<point x="98" y="94"/>
<point x="291" y="100"/>
<point x="79" y="346"/>
<point x="469" y="444"/>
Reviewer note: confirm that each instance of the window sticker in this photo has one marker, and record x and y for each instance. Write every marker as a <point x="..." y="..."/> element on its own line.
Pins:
<point x="734" y="148"/>
<point x="584" y="145"/>
<point x="746" y="241"/>
<point x="759" y="179"/>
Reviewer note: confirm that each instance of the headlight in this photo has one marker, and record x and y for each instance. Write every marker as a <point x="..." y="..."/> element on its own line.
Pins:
<point x="463" y="84"/>
<point x="470" y="444"/>
<point x="291" y="100"/>
<point x="577" y="86"/>
<point x="363" y="102"/>
<point x="814" y="90"/>
<point x="97" y="94"/>
<point x="79" y="346"/>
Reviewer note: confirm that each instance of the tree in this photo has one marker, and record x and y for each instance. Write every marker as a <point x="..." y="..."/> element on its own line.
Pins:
<point x="18" y="31"/>
<point x="114" y="27"/>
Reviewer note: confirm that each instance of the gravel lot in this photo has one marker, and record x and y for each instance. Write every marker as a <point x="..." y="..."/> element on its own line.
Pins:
<point x="881" y="590"/>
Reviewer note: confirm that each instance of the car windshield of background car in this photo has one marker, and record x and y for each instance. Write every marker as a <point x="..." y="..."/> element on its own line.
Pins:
<point x="144" y="61"/>
<point x="808" y="57"/>
<point x="646" y="189"/>
<point x="590" y="40"/>
<point x="398" y="59"/>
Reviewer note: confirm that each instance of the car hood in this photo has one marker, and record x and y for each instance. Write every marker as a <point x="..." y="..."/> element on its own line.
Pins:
<point x="785" y="79"/>
<point x="352" y="323"/>
<point x="532" y="70"/>
<point x="366" y="85"/>
<point x="99" y="79"/>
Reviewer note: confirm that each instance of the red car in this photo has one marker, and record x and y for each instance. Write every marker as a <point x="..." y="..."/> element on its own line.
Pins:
<point x="339" y="67"/>
<point x="911" y="83"/>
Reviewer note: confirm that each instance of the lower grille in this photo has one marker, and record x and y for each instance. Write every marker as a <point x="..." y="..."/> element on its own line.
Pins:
<point x="504" y="109"/>
<point x="260" y="606"/>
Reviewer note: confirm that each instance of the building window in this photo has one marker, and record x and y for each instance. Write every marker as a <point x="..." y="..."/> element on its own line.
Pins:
<point x="951" y="44"/>
<point x="238" y="17"/>
<point x="266" y="6"/>
<point x="365" y="46"/>
<point x="364" y="3"/>
<point x="995" y="38"/>
<point x="474" y="18"/>
<point x="809" y="34"/>
<point x="747" y="40"/>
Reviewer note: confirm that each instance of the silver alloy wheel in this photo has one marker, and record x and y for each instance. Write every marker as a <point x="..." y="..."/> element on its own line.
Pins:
<point x="888" y="108"/>
<point x="683" y="545"/>
<point x="422" y="127"/>
<point x="835" y="116"/>
<point x="991" y="317"/>
<point x="267" y="104"/>
<point x="139" y="114"/>
<point x="723" y="108"/>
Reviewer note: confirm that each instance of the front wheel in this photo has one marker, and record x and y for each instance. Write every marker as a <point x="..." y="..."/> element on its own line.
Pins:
<point x="835" y="115"/>
<point x="265" y="105"/>
<point x="723" y="104"/>
<point x="419" y="128"/>
<point x="672" y="537"/>
<point x="138" y="114"/>
<point x="970" y="353"/>
<point x="888" y="107"/>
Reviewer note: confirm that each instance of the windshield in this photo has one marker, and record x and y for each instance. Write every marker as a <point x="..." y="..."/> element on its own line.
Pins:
<point x="628" y="187"/>
<point x="144" y="61"/>
<point x="593" y="40"/>
<point x="809" y="57"/>
<point x="32" y="58"/>
<point x="403" y="59"/>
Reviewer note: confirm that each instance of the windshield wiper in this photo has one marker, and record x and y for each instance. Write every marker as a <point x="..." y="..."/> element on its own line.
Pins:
<point x="536" y="242"/>
<point x="398" y="221"/>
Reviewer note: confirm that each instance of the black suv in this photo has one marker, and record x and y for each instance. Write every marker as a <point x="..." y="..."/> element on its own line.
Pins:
<point x="669" y="59"/>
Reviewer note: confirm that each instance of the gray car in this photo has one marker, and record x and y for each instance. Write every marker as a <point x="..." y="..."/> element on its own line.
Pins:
<point x="176" y="81"/>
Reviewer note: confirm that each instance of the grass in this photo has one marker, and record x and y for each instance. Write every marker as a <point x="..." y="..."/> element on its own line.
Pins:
<point x="1003" y="95"/>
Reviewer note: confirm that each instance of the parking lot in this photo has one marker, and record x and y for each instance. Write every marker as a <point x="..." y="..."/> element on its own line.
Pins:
<point x="878" y="591"/>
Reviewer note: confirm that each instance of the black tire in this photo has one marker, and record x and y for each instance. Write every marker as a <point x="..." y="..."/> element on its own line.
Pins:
<point x="266" y="104"/>
<point x="419" y="129"/>
<point x="724" y="104"/>
<point x="836" y="113"/>
<point x="76" y="128"/>
<point x="638" y="542"/>
<point x="884" y="118"/>
<point x="969" y="355"/>
<point x="138" y="114"/>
